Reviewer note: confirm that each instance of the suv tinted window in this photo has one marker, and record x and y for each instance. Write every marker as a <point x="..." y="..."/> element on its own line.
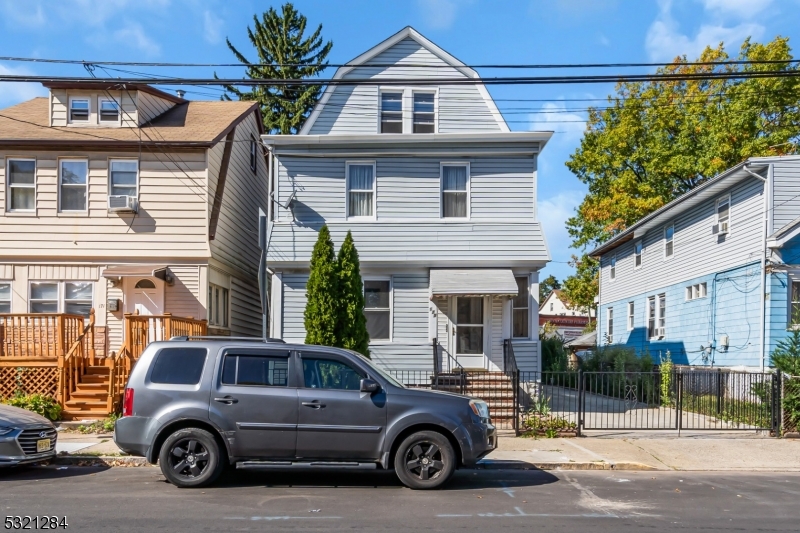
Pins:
<point x="329" y="374"/>
<point x="256" y="370"/>
<point x="179" y="366"/>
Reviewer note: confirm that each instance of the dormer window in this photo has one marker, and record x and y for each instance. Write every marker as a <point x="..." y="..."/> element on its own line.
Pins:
<point x="424" y="113"/>
<point x="392" y="112"/>
<point x="79" y="110"/>
<point x="109" y="110"/>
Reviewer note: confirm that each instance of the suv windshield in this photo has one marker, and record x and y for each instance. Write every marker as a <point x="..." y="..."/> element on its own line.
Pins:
<point x="385" y="375"/>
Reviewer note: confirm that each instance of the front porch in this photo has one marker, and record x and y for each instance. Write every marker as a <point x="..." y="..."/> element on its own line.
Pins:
<point x="60" y="355"/>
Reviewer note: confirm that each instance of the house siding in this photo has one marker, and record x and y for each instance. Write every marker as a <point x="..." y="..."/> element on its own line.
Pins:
<point x="150" y="107"/>
<point x="786" y="192"/>
<point x="59" y="106"/>
<point x="182" y="298"/>
<point x="245" y="309"/>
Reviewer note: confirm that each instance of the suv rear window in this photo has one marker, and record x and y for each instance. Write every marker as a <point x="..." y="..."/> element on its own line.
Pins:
<point x="179" y="366"/>
<point x="257" y="370"/>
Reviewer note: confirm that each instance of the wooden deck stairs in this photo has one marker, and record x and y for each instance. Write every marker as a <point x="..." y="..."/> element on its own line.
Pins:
<point x="495" y="388"/>
<point x="89" y="399"/>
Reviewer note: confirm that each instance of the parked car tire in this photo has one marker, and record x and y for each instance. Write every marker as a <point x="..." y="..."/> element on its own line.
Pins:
<point x="190" y="458"/>
<point x="425" y="460"/>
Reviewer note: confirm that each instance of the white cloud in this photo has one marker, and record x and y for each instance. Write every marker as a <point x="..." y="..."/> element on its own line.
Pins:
<point x="440" y="14"/>
<point x="736" y="8"/>
<point x="212" y="27"/>
<point x="13" y="92"/>
<point x="664" y="40"/>
<point x="553" y="213"/>
<point x="133" y="34"/>
<point x="555" y="116"/>
<point x="26" y="14"/>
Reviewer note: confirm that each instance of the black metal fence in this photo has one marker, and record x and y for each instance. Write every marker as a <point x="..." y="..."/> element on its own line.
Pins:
<point x="554" y="403"/>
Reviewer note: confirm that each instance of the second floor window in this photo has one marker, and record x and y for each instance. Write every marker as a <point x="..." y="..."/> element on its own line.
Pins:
<point x="613" y="269"/>
<point x="123" y="177"/>
<point x="79" y="110"/>
<point x="424" y="113"/>
<point x="669" y="234"/>
<point x="360" y="190"/>
<point x="724" y="213"/>
<point x="377" y="308"/>
<point x="392" y="112"/>
<point x="637" y="254"/>
<point x="455" y="193"/>
<point x="73" y="184"/>
<point x="109" y="111"/>
<point x="21" y="185"/>
<point x="519" y="310"/>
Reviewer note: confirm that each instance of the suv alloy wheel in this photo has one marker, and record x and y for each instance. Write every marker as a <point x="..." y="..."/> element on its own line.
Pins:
<point x="425" y="460"/>
<point x="190" y="458"/>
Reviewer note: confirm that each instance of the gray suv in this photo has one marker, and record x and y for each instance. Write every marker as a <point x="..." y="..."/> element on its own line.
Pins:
<point x="198" y="405"/>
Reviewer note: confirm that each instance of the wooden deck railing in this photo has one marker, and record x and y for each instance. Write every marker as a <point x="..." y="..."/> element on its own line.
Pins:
<point x="26" y="336"/>
<point x="72" y="365"/>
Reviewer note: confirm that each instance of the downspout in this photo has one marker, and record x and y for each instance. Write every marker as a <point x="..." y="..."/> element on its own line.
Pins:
<point x="763" y="299"/>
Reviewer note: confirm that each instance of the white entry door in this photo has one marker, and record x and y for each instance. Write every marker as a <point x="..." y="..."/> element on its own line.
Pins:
<point x="469" y="331"/>
<point x="146" y="295"/>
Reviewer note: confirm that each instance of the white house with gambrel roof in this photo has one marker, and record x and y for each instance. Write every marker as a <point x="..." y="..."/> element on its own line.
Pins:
<point x="440" y="197"/>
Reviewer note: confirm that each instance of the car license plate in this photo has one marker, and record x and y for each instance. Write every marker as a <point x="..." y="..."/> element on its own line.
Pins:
<point x="42" y="445"/>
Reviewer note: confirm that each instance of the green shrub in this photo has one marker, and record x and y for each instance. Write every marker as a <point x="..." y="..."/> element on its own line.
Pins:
<point x="41" y="404"/>
<point x="547" y="425"/>
<point x="554" y="356"/>
<point x="618" y="359"/>
<point x="786" y="359"/>
<point x="666" y="379"/>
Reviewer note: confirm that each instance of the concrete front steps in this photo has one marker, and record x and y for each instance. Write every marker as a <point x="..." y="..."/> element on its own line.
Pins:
<point x="89" y="401"/>
<point x="495" y="388"/>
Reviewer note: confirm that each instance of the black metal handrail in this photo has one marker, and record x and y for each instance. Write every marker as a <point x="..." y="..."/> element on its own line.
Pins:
<point x="509" y="359"/>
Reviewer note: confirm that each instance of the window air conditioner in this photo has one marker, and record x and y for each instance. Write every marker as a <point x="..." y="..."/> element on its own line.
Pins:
<point x="719" y="229"/>
<point x="122" y="203"/>
<point x="661" y="333"/>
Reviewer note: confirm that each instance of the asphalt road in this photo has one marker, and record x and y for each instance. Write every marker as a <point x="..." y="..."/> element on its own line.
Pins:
<point x="138" y="499"/>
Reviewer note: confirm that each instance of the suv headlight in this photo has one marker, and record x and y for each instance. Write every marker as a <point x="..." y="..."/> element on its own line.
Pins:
<point x="480" y="408"/>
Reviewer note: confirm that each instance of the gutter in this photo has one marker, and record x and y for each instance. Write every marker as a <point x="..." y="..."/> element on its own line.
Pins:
<point x="763" y="261"/>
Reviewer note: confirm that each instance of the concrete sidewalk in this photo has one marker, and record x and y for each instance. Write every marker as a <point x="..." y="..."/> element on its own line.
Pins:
<point x="651" y="451"/>
<point x="705" y="451"/>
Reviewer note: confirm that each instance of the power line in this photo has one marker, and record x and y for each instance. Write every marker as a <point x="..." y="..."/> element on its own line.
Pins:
<point x="507" y="80"/>
<point x="405" y="65"/>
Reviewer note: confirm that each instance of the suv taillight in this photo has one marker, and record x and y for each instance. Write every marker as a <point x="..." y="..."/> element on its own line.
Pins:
<point x="127" y="403"/>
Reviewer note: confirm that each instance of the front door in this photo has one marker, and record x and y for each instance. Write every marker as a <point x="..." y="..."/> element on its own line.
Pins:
<point x="469" y="331"/>
<point x="336" y="420"/>
<point x="254" y="401"/>
<point x="146" y="295"/>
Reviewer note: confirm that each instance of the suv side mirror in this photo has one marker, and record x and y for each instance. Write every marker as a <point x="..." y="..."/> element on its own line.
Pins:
<point x="370" y="385"/>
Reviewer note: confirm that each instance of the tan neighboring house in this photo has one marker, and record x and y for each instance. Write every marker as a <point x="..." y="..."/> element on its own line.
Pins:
<point x="568" y="321"/>
<point x="130" y="200"/>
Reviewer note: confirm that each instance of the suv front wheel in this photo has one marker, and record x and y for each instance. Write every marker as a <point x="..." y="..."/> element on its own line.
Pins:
<point x="425" y="460"/>
<point x="190" y="458"/>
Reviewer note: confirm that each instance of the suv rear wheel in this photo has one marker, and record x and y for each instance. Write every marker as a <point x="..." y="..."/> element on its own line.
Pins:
<point x="190" y="458"/>
<point x="425" y="460"/>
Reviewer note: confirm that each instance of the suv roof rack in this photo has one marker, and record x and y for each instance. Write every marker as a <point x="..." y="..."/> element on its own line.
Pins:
<point x="224" y="338"/>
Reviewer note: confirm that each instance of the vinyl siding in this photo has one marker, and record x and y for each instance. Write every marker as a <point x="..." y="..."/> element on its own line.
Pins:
<point x="151" y="107"/>
<point x="786" y="192"/>
<point x="171" y="221"/>
<point x="245" y="309"/>
<point x="182" y="298"/>
<point x="527" y="356"/>
<point x="236" y="239"/>
<point x="355" y="109"/>
<point x="59" y="106"/>
<point x="696" y="251"/>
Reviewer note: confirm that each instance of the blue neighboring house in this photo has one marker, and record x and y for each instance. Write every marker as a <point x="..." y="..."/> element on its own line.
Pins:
<point x="713" y="276"/>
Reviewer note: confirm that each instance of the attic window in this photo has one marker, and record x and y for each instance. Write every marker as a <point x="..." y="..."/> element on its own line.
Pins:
<point x="79" y="110"/>
<point x="424" y="113"/>
<point x="391" y="112"/>
<point x="109" y="111"/>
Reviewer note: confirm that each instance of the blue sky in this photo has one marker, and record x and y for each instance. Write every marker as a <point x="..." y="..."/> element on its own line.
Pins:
<point x="475" y="31"/>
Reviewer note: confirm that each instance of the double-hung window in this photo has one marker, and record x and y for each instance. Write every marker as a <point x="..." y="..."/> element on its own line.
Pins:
<point x="21" y="185"/>
<point x="424" y="113"/>
<point x="73" y="179"/>
<point x="662" y="311"/>
<point x="610" y="324"/>
<point x="5" y="296"/>
<point x="109" y="110"/>
<point x="391" y="112"/>
<point x="378" y="308"/>
<point x="612" y="272"/>
<point x="723" y="214"/>
<point x="651" y="316"/>
<point x="72" y="297"/>
<point x="631" y="308"/>
<point x="123" y="177"/>
<point x="520" y="307"/>
<point x="217" y="306"/>
<point x="794" y="309"/>
<point x="360" y="190"/>
<point x="637" y="254"/>
<point x="455" y="191"/>
<point x="669" y="235"/>
<point x="656" y="314"/>
<point x="79" y="110"/>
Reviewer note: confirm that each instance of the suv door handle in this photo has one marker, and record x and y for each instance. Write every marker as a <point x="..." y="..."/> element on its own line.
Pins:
<point x="226" y="400"/>
<point x="314" y="405"/>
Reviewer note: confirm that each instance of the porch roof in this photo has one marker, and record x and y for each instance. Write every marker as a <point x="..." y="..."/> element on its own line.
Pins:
<point x="139" y="271"/>
<point x="473" y="281"/>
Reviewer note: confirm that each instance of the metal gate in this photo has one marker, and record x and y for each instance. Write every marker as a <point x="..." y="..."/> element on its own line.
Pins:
<point x="682" y="399"/>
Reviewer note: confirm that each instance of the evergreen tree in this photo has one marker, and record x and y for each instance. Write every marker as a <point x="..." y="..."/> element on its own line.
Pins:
<point x="283" y="54"/>
<point x="352" y="328"/>
<point x="322" y="293"/>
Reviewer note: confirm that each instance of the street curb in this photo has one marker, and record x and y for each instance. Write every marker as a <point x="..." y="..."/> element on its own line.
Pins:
<point x="100" y="460"/>
<point x="524" y="465"/>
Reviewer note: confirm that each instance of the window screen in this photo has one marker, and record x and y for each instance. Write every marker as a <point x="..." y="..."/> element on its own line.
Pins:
<point x="255" y="370"/>
<point x="179" y="366"/>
